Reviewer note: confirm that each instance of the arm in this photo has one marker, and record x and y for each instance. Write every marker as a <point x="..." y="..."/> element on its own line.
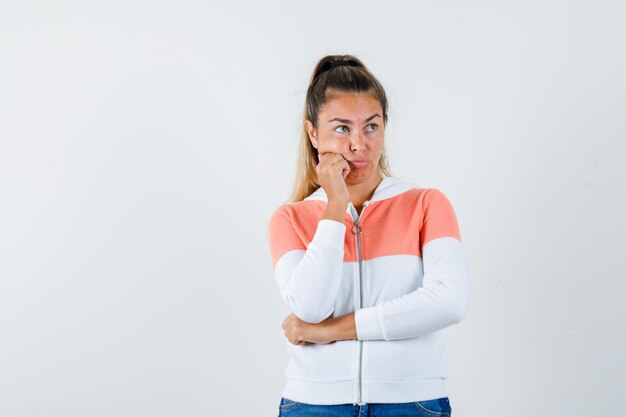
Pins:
<point x="443" y="300"/>
<point x="308" y="278"/>
<point x="440" y="303"/>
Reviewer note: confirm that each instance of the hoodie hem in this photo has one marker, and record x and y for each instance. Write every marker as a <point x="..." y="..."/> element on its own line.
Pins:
<point x="374" y="390"/>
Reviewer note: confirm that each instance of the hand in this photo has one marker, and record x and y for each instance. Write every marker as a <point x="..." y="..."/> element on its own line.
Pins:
<point x="300" y="332"/>
<point x="332" y="171"/>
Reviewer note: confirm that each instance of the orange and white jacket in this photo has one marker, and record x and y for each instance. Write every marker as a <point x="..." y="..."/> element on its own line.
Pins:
<point x="400" y="266"/>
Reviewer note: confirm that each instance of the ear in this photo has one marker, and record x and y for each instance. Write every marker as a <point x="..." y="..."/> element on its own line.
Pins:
<point x="312" y="132"/>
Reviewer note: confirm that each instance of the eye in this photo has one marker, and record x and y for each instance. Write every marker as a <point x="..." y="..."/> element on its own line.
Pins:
<point x="340" y="127"/>
<point x="375" y="127"/>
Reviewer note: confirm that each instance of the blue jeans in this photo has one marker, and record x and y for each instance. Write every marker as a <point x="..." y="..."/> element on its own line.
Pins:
<point x="438" y="407"/>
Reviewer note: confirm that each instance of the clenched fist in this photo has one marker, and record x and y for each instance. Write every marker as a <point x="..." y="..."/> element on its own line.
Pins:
<point x="300" y="332"/>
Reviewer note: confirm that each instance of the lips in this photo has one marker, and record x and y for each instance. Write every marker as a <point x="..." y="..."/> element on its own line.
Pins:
<point x="359" y="163"/>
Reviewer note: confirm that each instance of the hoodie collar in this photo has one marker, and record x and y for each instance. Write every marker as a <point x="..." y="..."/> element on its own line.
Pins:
<point x="388" y="187"/>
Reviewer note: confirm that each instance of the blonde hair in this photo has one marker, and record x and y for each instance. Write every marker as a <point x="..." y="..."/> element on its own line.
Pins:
<point x="354" y="77"/>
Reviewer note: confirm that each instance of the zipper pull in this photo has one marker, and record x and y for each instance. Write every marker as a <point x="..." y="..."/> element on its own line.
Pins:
<point x="357" y="227"/>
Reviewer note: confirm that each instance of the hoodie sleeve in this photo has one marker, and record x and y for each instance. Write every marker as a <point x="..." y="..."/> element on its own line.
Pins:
<point x="308" y="276"/>
<point x="443" y="300"/>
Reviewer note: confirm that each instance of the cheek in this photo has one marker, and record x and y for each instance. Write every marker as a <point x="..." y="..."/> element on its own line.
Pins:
<point x="376" y="152"/>
<point x="377" y="145"/>
<point x="331" y="145"/>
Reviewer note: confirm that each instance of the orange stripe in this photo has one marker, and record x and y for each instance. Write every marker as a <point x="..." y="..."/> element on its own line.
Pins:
<point x="292" y="226"/>
<point x="403" y="225"/>
<point x="406" y="222"/>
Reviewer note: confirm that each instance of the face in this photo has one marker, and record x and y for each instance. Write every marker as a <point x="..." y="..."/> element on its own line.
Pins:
<point x="351" y="124"/>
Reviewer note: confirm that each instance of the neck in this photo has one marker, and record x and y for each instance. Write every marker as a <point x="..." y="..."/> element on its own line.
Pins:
<point x="364" y="190"/>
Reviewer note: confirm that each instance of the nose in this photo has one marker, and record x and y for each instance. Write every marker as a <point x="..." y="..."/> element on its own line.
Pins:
<point x="357" y="142"/>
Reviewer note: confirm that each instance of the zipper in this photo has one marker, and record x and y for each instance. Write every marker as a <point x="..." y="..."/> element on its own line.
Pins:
<point x="357" y="229"/>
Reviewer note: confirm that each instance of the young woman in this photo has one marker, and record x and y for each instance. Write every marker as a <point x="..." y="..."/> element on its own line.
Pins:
<point x="371" y="265"/>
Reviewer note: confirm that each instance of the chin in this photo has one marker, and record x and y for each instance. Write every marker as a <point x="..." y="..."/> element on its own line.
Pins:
<point x="355" y="176"/>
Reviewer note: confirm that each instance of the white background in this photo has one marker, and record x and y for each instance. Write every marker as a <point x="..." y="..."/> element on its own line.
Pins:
<point x="144" y="145"/>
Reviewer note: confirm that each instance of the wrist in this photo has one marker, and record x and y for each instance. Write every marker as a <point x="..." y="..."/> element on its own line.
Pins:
<point x="342" y="328"/>
<point x="335" y="211"/>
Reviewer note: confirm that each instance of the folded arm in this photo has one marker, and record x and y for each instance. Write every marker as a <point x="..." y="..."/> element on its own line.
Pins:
<point x="443" y="300"/>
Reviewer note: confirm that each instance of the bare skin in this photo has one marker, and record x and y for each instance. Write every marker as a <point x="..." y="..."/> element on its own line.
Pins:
<point x="359" y="135"/>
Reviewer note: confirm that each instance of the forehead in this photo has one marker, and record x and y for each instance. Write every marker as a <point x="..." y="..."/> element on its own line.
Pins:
<point x="351" y="105"/>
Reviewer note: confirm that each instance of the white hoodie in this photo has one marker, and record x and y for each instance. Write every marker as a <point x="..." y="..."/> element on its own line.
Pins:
<point x="400" y="266"/>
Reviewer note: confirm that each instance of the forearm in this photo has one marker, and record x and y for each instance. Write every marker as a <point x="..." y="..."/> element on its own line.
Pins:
<point x="309" y="280"/>
<point x="335" y="211"/>
<point x="342" y="327"/>
<point x="309" y="275"/>
<point x="441" y="301"/>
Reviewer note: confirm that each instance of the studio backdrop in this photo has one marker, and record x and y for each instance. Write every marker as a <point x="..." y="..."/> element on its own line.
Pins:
<point x="144" y="146"/>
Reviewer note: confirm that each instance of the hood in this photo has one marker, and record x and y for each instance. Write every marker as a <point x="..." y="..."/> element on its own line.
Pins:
<point x="388" y="187"/>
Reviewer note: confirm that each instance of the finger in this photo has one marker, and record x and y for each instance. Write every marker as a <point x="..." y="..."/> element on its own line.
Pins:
<point x="339" y="159"/>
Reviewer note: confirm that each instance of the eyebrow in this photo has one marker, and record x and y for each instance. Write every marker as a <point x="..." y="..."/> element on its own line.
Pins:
<point x="350" y="122"/>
